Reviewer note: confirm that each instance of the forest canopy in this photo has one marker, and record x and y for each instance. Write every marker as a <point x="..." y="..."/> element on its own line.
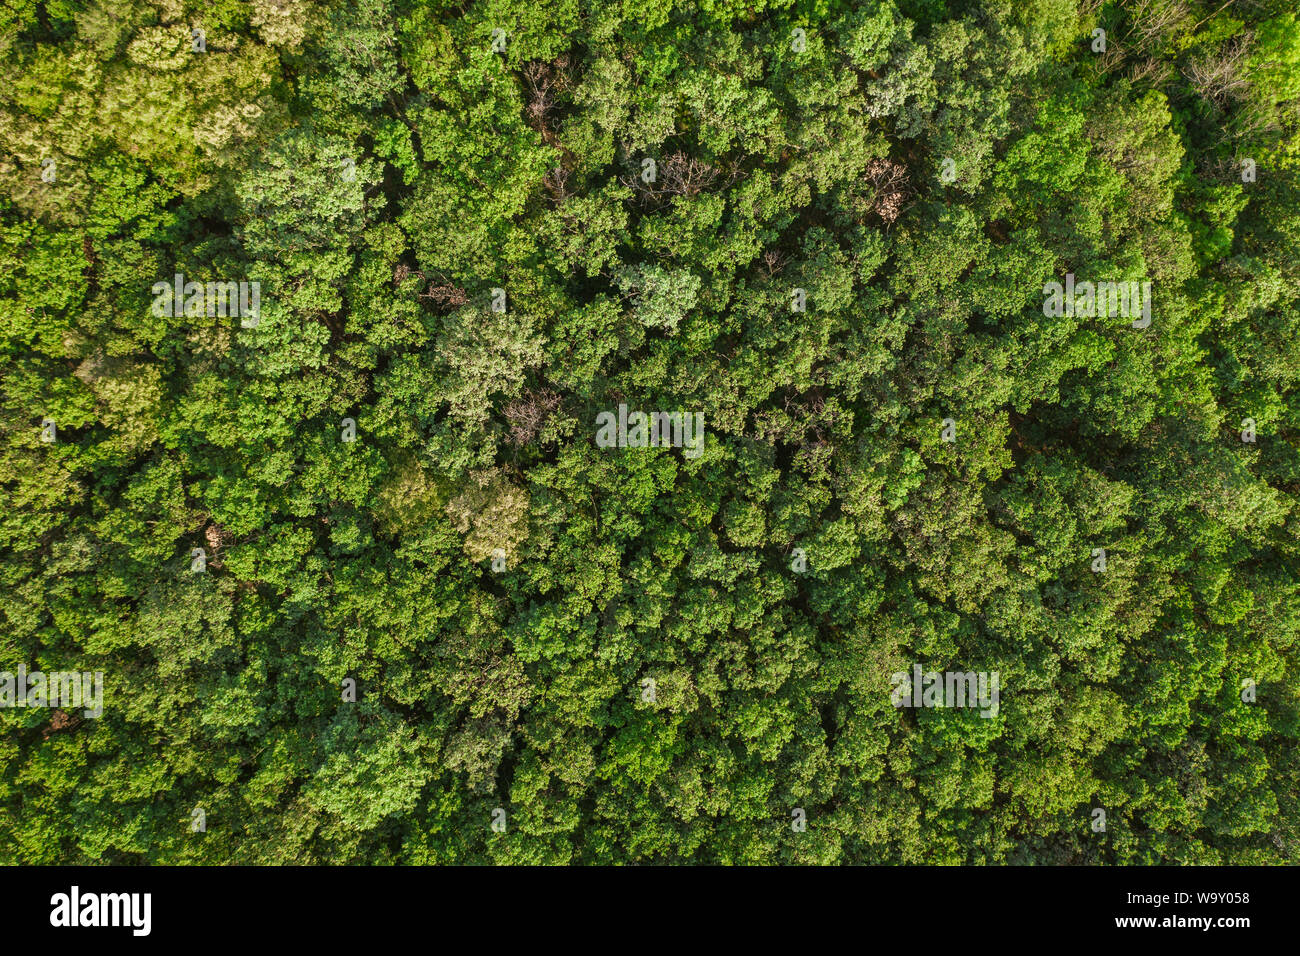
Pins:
<point x="594" y="432"/>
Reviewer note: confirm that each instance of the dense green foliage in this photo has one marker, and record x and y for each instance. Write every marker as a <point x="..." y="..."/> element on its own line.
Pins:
<point x="501" y="589"/>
